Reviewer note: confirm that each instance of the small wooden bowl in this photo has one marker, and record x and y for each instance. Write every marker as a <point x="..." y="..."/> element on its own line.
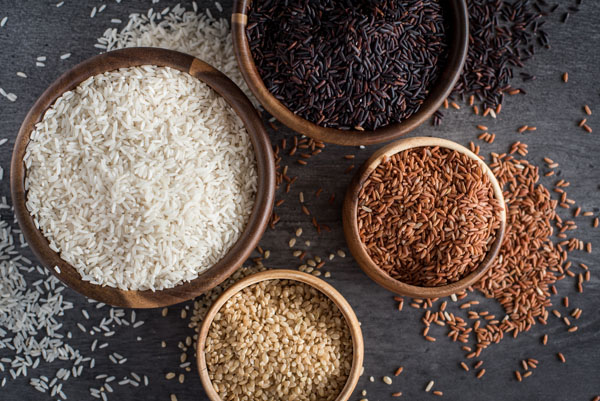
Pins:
<point x="317" y="283"/>
<point x="457" y="52"/>
<point x="262" y="148"/>
<point x="357" y="247"/>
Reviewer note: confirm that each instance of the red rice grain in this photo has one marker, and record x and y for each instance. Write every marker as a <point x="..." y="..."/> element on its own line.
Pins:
<point x="428" y="216"/>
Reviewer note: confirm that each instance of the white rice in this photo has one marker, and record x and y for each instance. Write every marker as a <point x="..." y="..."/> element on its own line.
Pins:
<point x="32" y="307"/>
<point x="30" y="330"/>
<point x="141" y="178"/>
<point x="186" y="31"/>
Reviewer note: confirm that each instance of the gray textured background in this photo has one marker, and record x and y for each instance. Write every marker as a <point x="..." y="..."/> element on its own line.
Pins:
<point x="392" y="339"/>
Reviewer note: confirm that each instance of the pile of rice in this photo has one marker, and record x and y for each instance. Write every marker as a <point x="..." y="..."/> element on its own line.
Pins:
<point x="140" y="178"/>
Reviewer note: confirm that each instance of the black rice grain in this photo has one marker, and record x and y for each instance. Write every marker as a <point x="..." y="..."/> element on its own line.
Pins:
<point x="502" y="34"/>
<point x="348" y="64"/>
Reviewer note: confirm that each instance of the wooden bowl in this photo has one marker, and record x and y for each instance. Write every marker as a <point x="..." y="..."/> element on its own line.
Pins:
<point x="262" y="149"/>
<point x="317" y="283"/>
<point x="457" y="52"/>
<point x="357" y="247"/>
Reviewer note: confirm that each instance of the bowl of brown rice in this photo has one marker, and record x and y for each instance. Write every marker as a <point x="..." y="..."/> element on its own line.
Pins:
<point x="424" y="217"/>
<point x="280" y="335"/>
<point x="142" y="177"/>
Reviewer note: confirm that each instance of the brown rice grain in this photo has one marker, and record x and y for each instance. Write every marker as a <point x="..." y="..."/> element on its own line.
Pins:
<point x="320" y="323"/>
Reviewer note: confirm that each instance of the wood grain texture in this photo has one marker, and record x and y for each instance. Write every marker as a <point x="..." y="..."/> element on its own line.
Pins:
<point x="320" y="285"/>
<point x="240" y="251"/>
<point x="391" y="338"/>
<point x="457" y="51"/>
<point x="356" y="246"/>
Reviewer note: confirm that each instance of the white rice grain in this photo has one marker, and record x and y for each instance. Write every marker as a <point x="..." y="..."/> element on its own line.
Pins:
<point x="197" y="34"/>
<point x="174" y="199"/>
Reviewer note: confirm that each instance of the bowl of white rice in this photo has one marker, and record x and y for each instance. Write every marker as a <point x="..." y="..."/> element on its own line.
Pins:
<point x="142" y="177"/>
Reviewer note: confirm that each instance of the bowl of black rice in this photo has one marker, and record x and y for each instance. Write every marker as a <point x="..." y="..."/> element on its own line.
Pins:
<point x="351" y="72"/>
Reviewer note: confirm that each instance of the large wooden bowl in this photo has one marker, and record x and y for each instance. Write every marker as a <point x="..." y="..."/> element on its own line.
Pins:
<point x="458" y="39"/>
<point x="262" y="149"/>
<point x="317" y="283"/>
<point x="358" y="249"/>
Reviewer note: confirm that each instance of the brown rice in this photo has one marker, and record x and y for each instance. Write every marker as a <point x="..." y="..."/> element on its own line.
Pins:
<point x="279" y="340"/>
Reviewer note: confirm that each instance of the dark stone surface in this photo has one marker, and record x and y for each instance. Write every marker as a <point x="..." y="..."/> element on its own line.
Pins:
<point x="37" y="28"/>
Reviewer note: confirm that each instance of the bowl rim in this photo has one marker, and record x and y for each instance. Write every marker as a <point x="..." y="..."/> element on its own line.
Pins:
<point x="257" y="222"/>
<point x="457" y="54"/>
<point x="358" y="250"/>
<point x="284" y="274"/>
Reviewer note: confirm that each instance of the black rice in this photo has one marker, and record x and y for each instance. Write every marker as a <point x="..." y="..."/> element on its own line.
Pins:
<point x="348" y="64"/>
<point x="502" y="36"/>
